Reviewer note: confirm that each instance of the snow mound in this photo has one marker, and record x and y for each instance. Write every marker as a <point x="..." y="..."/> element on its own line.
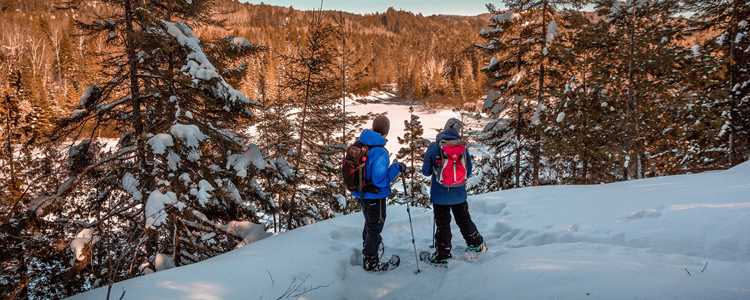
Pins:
<point x="83" y="239"/>
<point x="157" y="204"/>
<point x="678" y="237"/>
<point x="248" y="232"/>
<point x="160" y="142"/>
<point x="742" y="169"/>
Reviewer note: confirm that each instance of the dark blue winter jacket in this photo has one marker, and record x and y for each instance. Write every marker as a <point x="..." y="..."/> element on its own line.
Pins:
<point x="377" y="169"/>
<point x="439" y="194"/>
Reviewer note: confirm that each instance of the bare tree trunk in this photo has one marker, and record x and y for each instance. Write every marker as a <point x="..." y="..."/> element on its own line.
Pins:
<point x="628" y="143"/>
<point x="343" y="76"/>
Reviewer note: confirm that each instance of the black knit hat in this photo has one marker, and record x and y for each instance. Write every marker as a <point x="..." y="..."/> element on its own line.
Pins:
<point x="381" y="125"/>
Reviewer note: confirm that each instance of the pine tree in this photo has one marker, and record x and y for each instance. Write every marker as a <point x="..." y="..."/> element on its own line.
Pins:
<point x="413" y="148"/>
<point x="726" y="24"/>
<point x="180" y="185"/>
<point x="311" y="81"/>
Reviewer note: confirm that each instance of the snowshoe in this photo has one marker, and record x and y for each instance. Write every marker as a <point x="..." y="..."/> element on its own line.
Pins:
<point x="372" y="263"/>
<point x="435" y="259"/>
<point x="473" y="252"/>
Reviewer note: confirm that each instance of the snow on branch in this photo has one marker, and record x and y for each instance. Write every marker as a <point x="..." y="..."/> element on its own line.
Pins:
<point x="201" y="69"/>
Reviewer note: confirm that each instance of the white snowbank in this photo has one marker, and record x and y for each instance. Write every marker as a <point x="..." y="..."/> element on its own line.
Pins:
<point x="679" y="237"/>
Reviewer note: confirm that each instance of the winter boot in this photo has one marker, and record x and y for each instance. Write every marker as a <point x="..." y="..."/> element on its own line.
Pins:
<point x="370" y="263"/>
<point x="473" y="252"/>
<point x="481" y="248"/>
<point x="439" y="259"/>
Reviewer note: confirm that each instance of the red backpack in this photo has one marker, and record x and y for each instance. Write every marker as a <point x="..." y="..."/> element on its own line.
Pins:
<point x="450" y="168"/>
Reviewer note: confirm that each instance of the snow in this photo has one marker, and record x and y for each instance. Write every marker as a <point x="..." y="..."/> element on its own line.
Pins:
<point x="156" y="205"/>
<point x="240" y="43"/>
<point x="738" y="38"/>
<point x="191" y="135"/>
<point x="503" y="17"/>
<point x="432" y="119"/>
<point x="247" y="231"/>
<point x="200" y="68"/>
<point x="163" y="262"/>
<point x="492" y="65"/>
<point x="551" y="32"/>
<point x="240" y="162"/>
<point x="204" y="192"/>
<point x="678" y="237"/>
<point x="89" y="95"/>
<point x="560" y="117"/>
<point x="696" y="50"/>
<point x="160" y="142"/>
<point x="130" y="185"/>
<point x="83" y="239"/>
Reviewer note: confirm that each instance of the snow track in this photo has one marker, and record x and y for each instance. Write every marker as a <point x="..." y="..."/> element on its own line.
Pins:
<point x="679" y="237"/>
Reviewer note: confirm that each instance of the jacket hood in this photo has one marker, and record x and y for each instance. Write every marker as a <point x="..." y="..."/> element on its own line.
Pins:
<point x="448" y="135"/>
<point x="371" y="138"/>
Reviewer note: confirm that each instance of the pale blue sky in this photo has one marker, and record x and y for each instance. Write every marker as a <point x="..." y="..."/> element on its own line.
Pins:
<point x="426" y="7"/>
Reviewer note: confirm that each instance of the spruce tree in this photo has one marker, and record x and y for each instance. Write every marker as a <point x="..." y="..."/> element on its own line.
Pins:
<point x="181" y="184"/>
<point x="413" y="148"/>
<point x="728" y="29"/>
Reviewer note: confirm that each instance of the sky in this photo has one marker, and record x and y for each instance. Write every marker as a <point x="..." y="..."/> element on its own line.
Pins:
<point x="426" y="7"/>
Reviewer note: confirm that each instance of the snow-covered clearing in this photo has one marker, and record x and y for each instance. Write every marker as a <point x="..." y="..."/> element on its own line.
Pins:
<point x="432" y="119"/>
<point x="678" y="237"/>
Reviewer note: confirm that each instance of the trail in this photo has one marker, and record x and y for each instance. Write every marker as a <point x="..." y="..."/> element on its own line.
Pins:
<point x="678" y="237"/>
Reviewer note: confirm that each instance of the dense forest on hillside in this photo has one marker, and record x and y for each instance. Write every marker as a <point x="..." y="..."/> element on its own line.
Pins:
<point x="224" y="121"/>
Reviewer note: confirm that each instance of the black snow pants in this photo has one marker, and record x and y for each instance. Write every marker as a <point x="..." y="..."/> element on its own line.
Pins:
<point x="443" y="223"/>
<point x="374" y="211"/>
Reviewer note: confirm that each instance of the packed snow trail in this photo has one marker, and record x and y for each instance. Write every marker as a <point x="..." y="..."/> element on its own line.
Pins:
<point x="678" y="237"/>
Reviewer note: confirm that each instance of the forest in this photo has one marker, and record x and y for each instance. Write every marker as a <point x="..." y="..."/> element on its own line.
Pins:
<point x="140" y="135"/>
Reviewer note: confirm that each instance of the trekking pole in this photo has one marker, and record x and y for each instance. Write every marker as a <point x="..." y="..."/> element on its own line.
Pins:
<point x="413" y="243"/>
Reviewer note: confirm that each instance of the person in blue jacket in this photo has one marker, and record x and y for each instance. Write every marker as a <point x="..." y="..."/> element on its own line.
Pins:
<point x="446" y="200"/>
<point x="379" y="174"/>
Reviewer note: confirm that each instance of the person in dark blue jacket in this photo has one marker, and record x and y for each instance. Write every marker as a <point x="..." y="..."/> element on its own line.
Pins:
<point x="446" y="200"/>
<point x="380" y="174"/>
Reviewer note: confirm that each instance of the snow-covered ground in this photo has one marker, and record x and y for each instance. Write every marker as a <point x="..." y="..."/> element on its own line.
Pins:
<point x="678" y="237"/>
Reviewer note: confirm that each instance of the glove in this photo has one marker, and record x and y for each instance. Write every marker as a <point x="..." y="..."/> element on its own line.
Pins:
<point x="401" y="166"/>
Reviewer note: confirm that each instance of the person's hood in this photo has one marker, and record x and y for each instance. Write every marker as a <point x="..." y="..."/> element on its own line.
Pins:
<point x="448" y="135"/>
<point x="371" y="138"/>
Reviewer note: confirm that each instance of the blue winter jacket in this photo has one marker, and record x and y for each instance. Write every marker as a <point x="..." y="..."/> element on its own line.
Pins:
<point x="377" y="169"/>
<point x="439" y="194"/>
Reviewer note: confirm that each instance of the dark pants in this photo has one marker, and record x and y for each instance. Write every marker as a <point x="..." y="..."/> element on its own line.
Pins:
<point x="374" y="211"/>
<point x="443" y="223"/>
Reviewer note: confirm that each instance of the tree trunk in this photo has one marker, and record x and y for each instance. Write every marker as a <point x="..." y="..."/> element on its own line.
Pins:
<point x="137" y="118"/>
<point x="733" y="99"/>
<point x="536" y="147"/>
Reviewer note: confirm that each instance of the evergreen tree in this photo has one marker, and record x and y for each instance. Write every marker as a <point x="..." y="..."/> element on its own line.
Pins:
<point x="180" y="185"/>
<point x="411" y="153"/>
<point x="311" y="81"/>
<point x="726" y="24"/>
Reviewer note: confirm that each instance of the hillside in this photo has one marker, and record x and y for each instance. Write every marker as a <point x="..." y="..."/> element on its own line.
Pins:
<point x="678" y="237"/>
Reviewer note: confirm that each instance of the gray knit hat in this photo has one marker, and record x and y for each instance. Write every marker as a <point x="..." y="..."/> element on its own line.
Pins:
<point x="454" y="124"/>
<point x="381" y="125"/>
